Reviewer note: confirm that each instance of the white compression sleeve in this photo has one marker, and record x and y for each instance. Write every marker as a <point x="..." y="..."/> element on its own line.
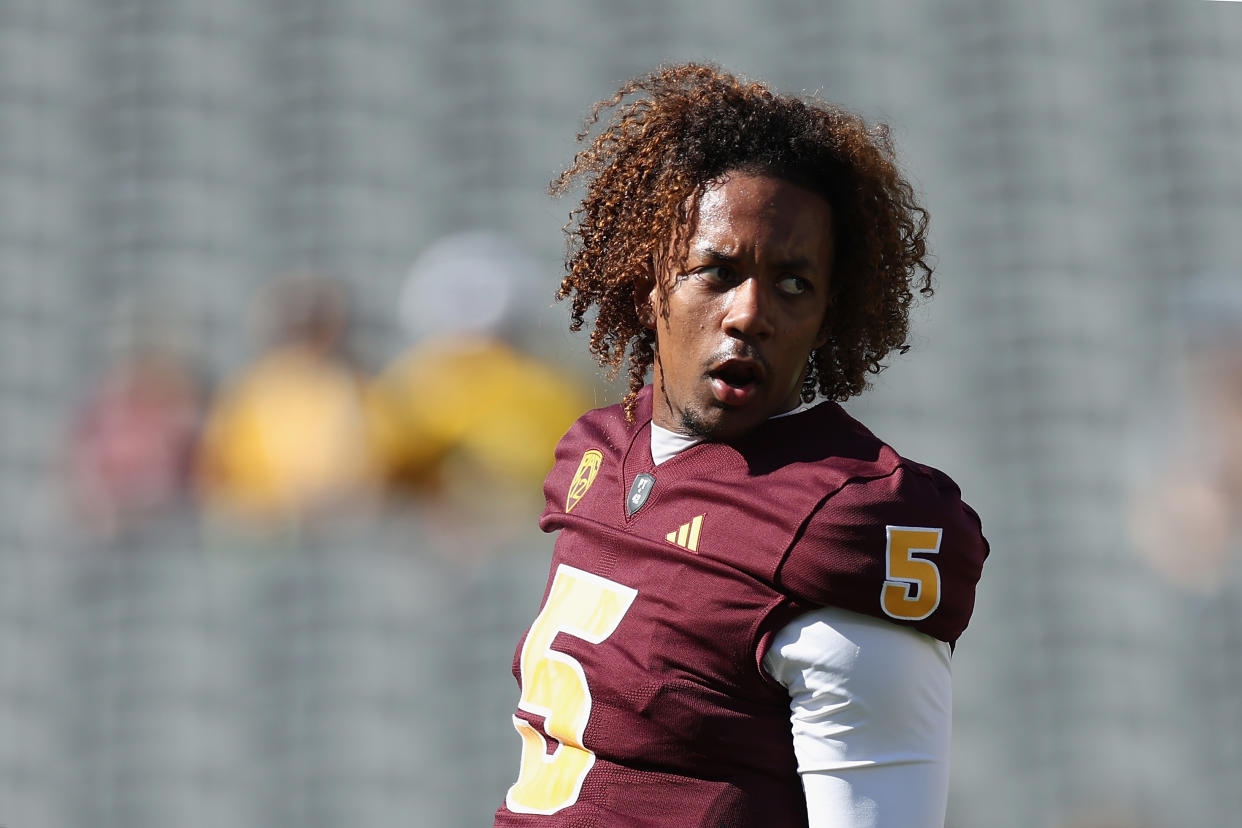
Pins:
<point x="871" y="707"/>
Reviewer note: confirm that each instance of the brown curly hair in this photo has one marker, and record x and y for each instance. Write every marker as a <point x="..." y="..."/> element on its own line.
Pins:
<point x="688" y="126"/>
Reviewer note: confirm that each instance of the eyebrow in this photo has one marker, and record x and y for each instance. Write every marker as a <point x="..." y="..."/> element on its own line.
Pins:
<point x="712" y="253"/>
<point x="798" y="263"/>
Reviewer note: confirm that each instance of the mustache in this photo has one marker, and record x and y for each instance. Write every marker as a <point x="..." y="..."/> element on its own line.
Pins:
<point x="741" y="350"/>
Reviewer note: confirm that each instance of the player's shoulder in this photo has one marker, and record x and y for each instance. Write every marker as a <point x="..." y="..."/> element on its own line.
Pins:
<point x="872" y="521"/>
<point x="603" y="429"/>
<point x="887" y="488"/>
<point x="901" y="489"/>
<point x="828" y="442"/>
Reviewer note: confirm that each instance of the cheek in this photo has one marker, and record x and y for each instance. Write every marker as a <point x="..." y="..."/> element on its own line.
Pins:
<point x="821" y="338"/>
<point x="818" y="327"/>
<point x="690" y="317"/>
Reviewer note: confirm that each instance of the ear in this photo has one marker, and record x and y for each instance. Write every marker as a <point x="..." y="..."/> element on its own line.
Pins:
<point x="644" y="300"/>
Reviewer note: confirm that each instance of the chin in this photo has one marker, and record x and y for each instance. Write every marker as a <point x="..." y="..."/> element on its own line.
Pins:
<point x="719" y="423"/>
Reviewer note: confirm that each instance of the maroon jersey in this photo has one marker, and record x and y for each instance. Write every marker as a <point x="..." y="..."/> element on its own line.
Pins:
<point x="644" y="702"/>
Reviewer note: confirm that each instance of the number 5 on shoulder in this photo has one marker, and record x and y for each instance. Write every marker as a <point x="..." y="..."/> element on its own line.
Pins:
<point x="555" y="687"/>
<point x="911" y="590"/>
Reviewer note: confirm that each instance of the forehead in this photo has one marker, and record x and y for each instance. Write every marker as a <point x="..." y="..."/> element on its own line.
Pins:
<point x="762" y="208"/>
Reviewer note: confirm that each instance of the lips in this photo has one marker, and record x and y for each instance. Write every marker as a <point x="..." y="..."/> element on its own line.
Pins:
<point x="736" y="381"/>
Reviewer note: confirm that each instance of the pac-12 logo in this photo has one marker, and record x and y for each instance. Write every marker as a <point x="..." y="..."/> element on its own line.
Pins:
<point x="583" y="477"/>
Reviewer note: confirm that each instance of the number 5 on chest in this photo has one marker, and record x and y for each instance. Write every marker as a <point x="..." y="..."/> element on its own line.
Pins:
<point x="555" y="687"/>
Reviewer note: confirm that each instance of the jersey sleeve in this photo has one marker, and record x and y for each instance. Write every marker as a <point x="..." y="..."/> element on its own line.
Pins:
<point x="871" y="710"/>
<point x="902" y="547"/>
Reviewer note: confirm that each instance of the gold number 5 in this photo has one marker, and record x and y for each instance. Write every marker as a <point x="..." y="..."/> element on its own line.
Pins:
<point x="911" y="591"/>
<point x="554" y="686"/>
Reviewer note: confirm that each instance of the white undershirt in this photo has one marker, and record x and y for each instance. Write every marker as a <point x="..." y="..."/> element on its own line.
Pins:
<point x="871" y="708"/>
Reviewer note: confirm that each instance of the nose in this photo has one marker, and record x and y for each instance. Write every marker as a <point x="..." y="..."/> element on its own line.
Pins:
<point x="748" y="315"/>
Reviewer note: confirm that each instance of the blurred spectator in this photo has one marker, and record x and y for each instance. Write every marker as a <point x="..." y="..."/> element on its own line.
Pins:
<point x="288" y="437"/>
<point x="465" y="414"/>
<point x="132" y="444"/>
<point x="1187" y="521"/>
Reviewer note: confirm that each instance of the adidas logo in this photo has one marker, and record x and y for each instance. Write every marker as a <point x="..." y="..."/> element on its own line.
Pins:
<point x="687" y="535"/>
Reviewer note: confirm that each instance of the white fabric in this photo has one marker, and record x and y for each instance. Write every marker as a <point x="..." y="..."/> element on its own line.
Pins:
<point x="665" y="444"/>
<point x="871" y="707"/>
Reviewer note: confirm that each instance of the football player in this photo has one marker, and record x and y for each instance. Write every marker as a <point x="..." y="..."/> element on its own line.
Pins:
<point x="753" y="601"/>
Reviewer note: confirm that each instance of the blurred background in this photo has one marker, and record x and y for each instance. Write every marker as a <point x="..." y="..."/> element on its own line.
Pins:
<point x="279" y="367"/>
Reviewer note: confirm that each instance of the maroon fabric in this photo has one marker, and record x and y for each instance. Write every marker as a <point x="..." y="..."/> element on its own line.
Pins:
<point x="687" y="728"/>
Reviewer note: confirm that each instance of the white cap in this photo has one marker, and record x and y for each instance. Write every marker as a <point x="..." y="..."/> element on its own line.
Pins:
<point x="470" y="283"/>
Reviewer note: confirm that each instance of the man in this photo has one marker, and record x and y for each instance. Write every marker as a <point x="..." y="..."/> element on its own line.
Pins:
<point x="752" y="599"/>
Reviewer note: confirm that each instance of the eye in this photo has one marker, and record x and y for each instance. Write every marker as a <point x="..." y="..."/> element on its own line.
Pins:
<point x="717" y="274"/>
<point x="793" y="285"/>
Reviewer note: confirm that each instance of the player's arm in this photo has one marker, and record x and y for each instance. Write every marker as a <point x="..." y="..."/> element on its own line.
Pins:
<point x="871" y="708"/>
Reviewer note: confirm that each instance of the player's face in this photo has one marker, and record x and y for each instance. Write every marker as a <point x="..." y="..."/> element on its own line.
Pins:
<point x="736" y="321"/>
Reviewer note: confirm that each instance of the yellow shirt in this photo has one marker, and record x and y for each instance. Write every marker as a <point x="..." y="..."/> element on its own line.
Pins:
<point x="475" y="403"/>
<point x="290" y="434"/>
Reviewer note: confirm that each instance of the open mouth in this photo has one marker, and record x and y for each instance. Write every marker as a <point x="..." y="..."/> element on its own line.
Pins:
<point x="736" y="382"/>
<point x="736" y="374"/>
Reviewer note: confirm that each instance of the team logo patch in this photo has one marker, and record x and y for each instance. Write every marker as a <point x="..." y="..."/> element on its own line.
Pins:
<point x="687" y="535"/>
<point x="583" y="477"/>
<point x="639" y="491"/>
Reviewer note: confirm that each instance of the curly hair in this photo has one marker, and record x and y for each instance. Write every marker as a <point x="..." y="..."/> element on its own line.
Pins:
<point x="685" y="128"/>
